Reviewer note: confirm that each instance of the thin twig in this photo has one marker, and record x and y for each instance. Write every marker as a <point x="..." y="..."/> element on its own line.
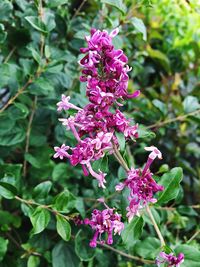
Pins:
<point x="193" y="237"/>
<point x="47" y="207"/>
<point x="119" y="157"/>
<point x="78" y="9"/>
<point x="9" y="55"/>
<point x="19" y="92"/>
<point x="125" y="254"/>
<point x="179" y="118"/>
<point x="28" y="132"/>
<point x="162" y="241"/>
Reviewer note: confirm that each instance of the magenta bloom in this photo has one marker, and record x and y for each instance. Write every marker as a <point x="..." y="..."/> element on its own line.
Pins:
<point x="104" y="68"/>
<point x="169" y="259"/>
<point x="105" y="221"/>
<point x="142" y="186"/>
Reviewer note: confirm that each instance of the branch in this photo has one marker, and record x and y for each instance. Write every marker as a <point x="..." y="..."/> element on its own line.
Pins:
<point x="125" y="254"/>
<point x="162" y="241"/>
<point x="79" y="9"/>
<point x="179" y="118"/>
<point x="28" y="132"/>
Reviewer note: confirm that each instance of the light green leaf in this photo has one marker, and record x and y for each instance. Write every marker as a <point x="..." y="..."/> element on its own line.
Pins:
<point x="7" y="190"/>
<point x="139" y="26"/>
<point x="121" y="140"/>
<point x="117" y="4"/>
<point x="190" y="104"/>
<point x="148" y="248"/>
<point x="33" y="261"/>
<point x="192" y="255"/>
<point x="171" y="182"/>
<point x="3" y="247"/>
<point x="63" y="228"/>
<point x="36" y="23"/>
<point x="132" y="231"/>
<point x="42" y="190"/>
<point x="40" y="219"/>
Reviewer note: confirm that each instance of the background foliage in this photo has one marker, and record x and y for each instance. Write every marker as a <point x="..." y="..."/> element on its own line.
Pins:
<point x="39" y="50"/>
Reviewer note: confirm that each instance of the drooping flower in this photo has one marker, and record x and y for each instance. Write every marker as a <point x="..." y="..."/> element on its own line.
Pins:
<point x="169" y="259"/>
<point x="104" y="222"/>
<point x="142" y="188"/>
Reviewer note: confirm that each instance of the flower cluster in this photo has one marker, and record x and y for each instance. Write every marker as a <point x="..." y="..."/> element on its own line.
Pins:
<point x="169" y="259"/>
<point x="94" y="126"/>
<point x="105" y="221"/>
<point x="141" y="184"/>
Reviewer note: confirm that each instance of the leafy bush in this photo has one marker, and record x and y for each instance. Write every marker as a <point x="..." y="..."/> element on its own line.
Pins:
<point x="41" y="196"/>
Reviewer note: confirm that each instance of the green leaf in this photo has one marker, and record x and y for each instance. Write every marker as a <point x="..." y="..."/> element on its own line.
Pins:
<point x="171" y="182"/>
<point x="60" y="171"/>
<point x="3" y="34"/>
<point x="148" y="248"/>
<point x="160" y="106"/>
<point x="33" y="261"/>
<point x="42" y="86"/>
<point x="160" y="57"/>
<point x="41" y="190"/>
<point x="117" y="4"/>
<point x="3" y="247"/>
<point x="63" y="255"/>
<point x="139" y="26"/>
<point x="15" y="136"/>
<point x="63" y="228"/>
<point x="40" y="219"/>
<point x="83" y="251"/>
<point x="190" y="104"/>
<point x="192" y="255"/>
<point x="7" y="190"/>
<point x="56" y="3"/>
<point x="5" y="10"/>
<point x="65" y="201"/>
<point x="22" y="108"/>
<point x="143" y="133"/>
<point x="121" y="140"/>
<point x="132" y="231"/>
<point x="36" y="23"/>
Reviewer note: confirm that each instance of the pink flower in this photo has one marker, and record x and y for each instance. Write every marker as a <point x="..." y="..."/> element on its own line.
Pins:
<point x="65" y="104"/>
<point x="154" y="152"/>
<point x="61" y="152"/>
<point x="142" y="187"/>
<point x="169" y="259"/>
<point x="105" y="221"/>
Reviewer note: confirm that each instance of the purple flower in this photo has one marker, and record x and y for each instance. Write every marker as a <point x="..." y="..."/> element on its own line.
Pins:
<point x="104" y="68"/>
<point x="142" y="187"/>
<point x="169" y="259"/>
<point x="65" y="104"/>
<point x="105" y="221"/>
<point x="61" y="152"/>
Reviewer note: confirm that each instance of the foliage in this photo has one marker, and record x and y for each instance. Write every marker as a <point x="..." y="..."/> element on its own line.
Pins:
<point x="39" y="196"/>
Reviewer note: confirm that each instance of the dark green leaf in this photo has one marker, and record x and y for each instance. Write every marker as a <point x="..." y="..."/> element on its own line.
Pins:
<point x="64" y="255"/>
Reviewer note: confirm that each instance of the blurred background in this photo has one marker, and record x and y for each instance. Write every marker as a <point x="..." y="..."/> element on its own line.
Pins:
<point x="39" y="50"/>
